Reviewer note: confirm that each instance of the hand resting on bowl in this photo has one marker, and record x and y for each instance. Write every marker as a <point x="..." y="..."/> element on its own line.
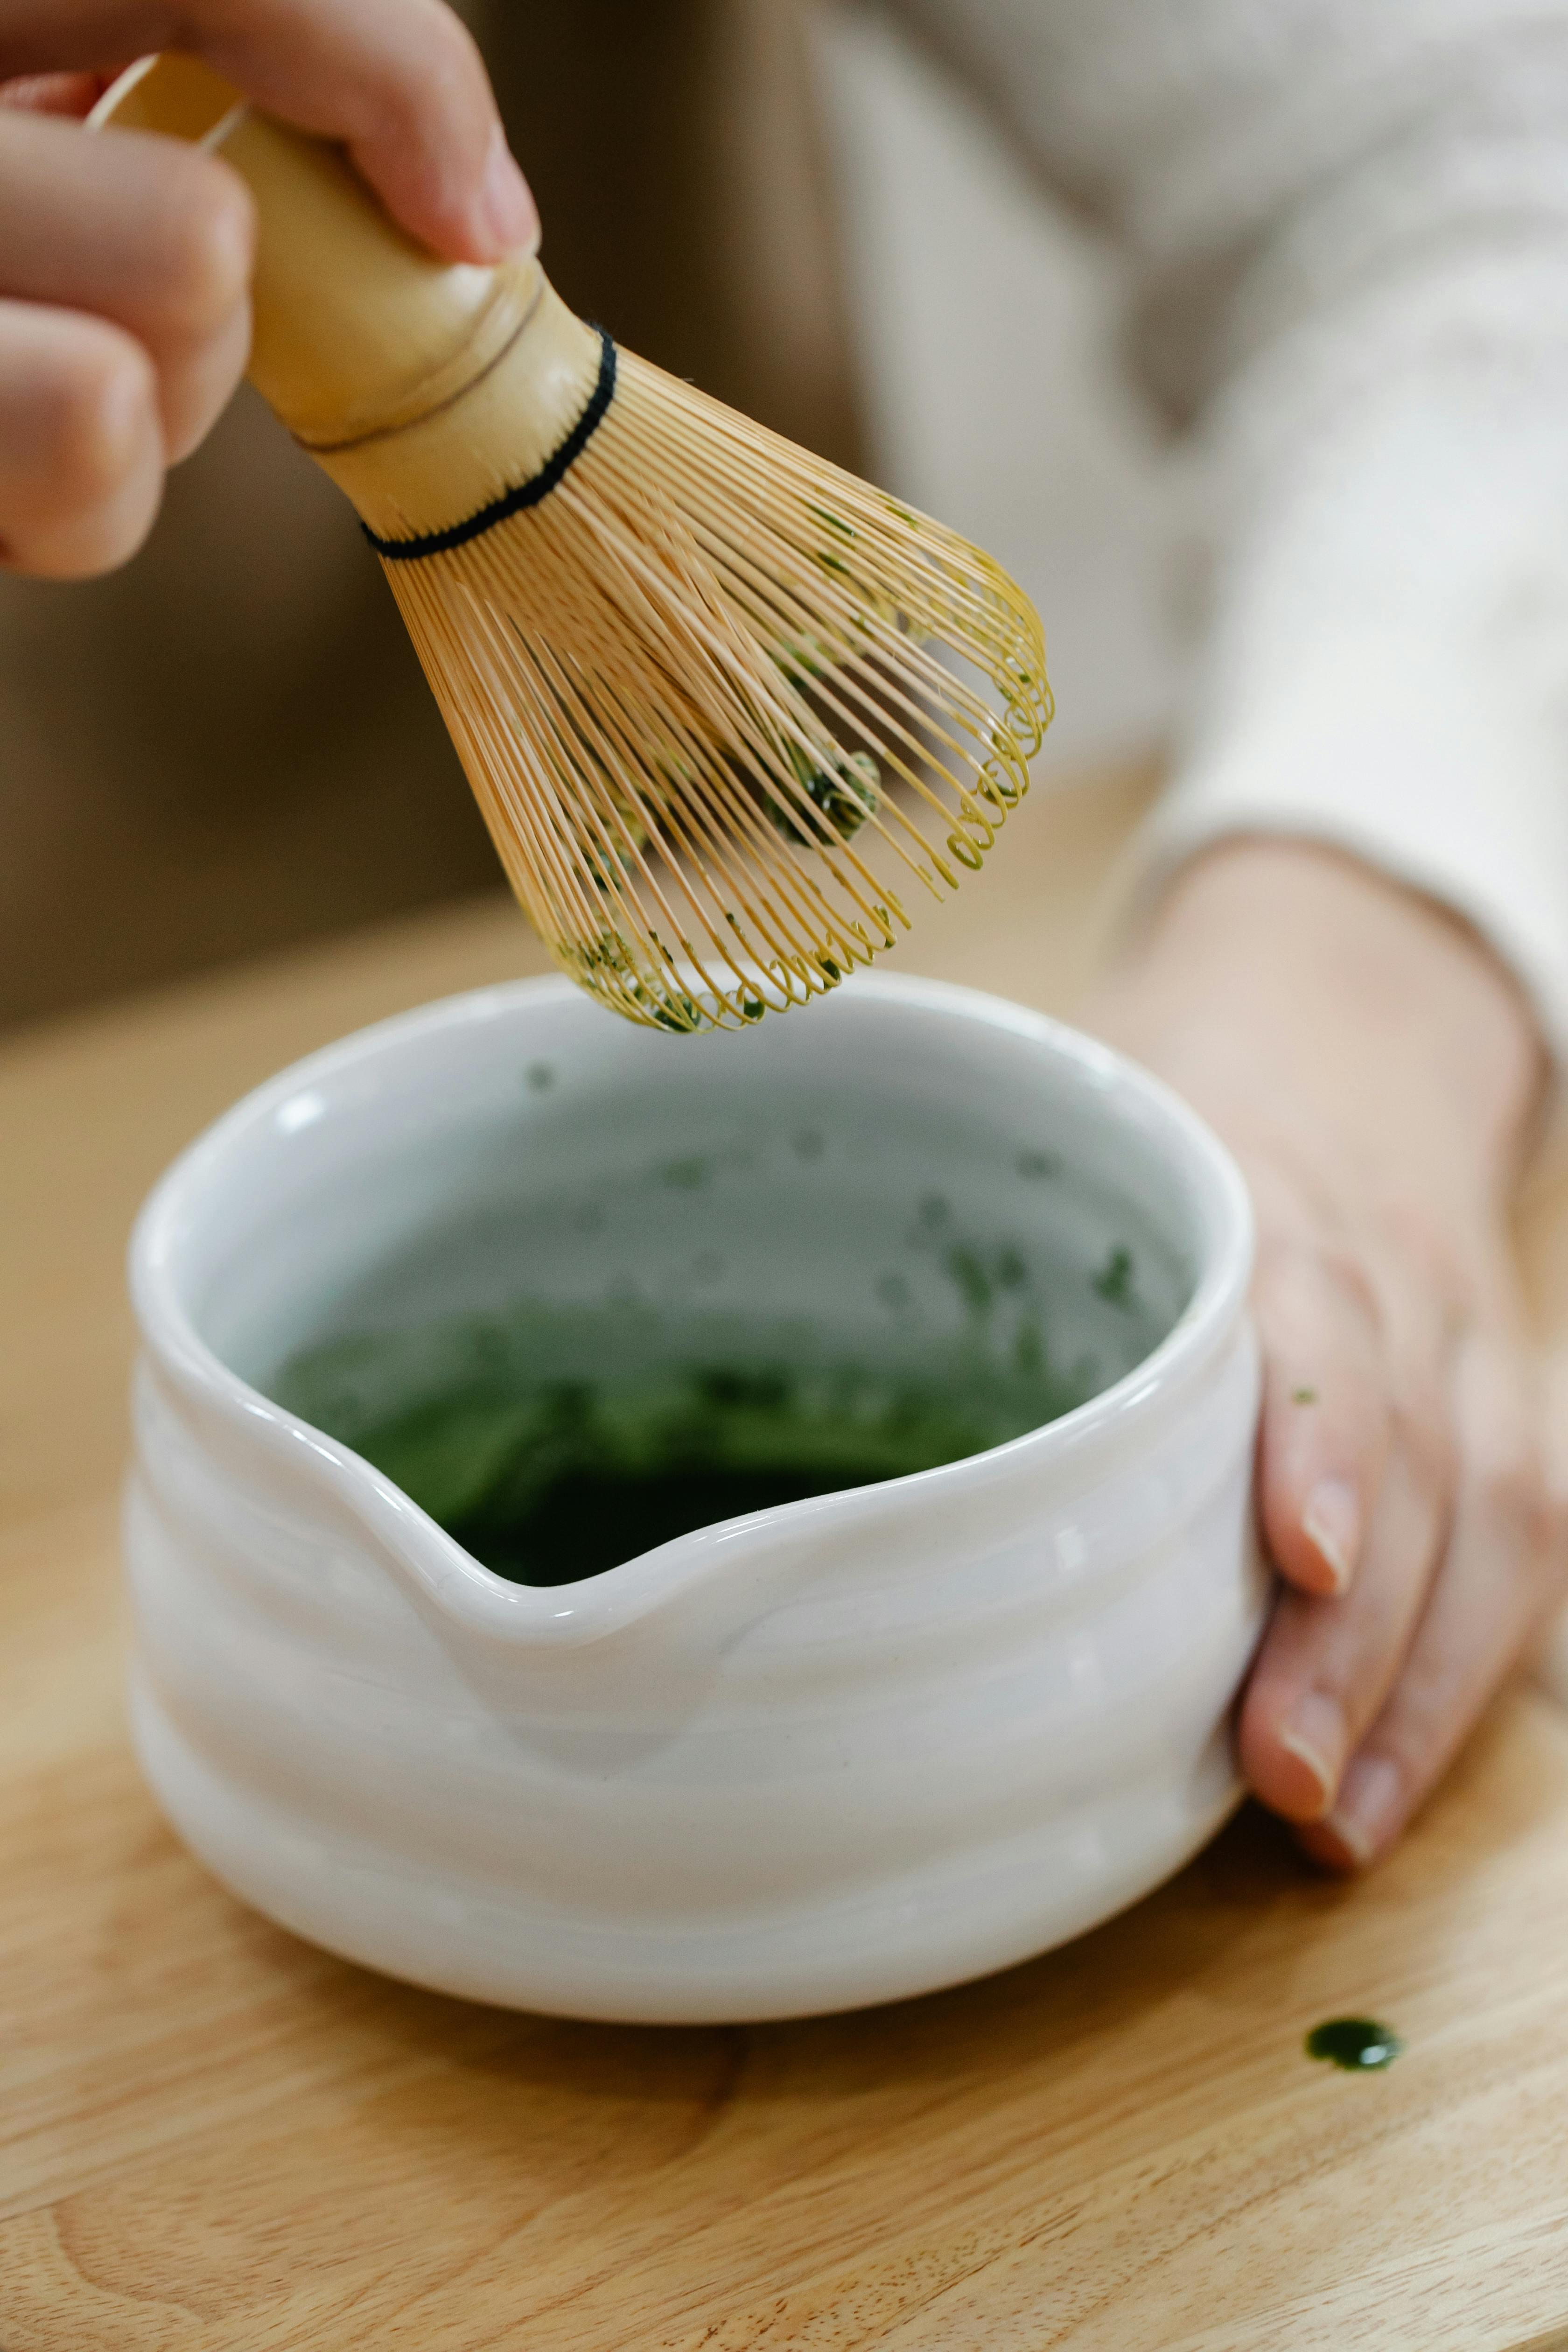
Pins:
<point x="1376" y="1073"/>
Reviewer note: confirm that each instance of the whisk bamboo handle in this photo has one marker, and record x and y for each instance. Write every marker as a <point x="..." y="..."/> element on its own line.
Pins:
<point x="361" y="336"/>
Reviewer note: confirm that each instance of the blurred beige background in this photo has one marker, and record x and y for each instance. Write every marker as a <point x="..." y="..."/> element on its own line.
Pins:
<point x="228" y="746"/>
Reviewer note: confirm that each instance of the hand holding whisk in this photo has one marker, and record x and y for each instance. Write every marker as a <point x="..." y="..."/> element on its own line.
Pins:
<point x="729" y="713"/>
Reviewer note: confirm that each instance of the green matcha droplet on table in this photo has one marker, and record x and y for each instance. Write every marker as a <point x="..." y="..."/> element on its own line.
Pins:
<point x="1357" y="2043"/>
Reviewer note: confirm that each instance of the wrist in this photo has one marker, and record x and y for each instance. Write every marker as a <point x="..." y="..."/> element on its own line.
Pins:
<point x="1300" y="971"/>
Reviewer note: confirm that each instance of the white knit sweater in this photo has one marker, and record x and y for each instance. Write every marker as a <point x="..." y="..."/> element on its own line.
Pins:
<point x="1348" y="221"/>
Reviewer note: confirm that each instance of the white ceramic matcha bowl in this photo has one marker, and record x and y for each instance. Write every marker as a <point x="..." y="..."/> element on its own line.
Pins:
<point x="848" y="1748"/>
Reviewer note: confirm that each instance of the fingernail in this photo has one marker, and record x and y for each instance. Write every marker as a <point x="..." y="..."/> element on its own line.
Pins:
<point x="1367" y="1810"/>
<point x="1315" y="1736"/>
<point x="505" y="200"/>
<point x="1331" y="1523"/>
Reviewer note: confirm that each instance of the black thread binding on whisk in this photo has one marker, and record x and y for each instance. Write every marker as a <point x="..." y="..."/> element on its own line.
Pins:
<point x="527" y="494"/>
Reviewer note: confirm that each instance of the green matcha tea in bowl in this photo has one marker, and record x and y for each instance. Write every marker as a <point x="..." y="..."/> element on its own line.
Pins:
<point x="677" y="1530"/>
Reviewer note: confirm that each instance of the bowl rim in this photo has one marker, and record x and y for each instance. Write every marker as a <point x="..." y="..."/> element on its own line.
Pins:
<point x="490" y="1602"/>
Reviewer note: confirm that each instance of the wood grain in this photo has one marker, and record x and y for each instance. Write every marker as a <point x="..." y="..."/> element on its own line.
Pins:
<point x="215" y="2140"/>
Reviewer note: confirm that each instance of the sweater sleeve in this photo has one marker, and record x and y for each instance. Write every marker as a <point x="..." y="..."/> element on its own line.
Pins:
<point x="1348" y="230"/>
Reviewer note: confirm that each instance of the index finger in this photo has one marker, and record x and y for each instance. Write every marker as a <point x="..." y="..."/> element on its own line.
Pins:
<point x="399" y="82"/>
<point x="73" y="94"/>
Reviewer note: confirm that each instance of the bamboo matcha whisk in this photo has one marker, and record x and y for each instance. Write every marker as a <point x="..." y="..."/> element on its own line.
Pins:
<point x="729" y="712"/>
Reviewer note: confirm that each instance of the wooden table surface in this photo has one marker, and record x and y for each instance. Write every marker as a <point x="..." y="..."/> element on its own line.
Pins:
<point x="213" y="2138"/>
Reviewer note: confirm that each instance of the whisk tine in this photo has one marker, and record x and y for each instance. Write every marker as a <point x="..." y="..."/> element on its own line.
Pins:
<point x="711" y="696"/>
<point x="709" y="693"/>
